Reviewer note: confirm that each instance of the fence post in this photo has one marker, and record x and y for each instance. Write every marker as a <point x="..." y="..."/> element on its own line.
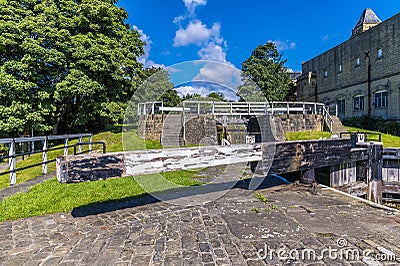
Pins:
<point x="44" y="155"/>
<point x="288" y="108"/>
<point x="66" y="146"/>
<point x="80" y="146"/>
<point x="12" y="163"/>
<point x="90" y="143"/>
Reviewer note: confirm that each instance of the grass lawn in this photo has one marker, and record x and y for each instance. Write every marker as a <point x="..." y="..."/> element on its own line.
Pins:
<point x="306" y="135"/>
<point x="52" y="197"/>
<point x="112" y="140"/>
<point x="389" y="141"/>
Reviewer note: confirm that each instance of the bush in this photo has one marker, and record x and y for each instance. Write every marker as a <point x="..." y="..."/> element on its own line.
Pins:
<point x="374" y="124"/>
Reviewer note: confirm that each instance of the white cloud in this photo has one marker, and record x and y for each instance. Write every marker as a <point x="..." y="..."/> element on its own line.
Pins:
<point x="191" y="5"/>
<point x="284" y="45"/>
<point x="213" y="52"/>
<point x="144" y="59"/>
<point x="205" y="90"/>
<point x="212" y="47"/>
<point x="196" y="33"/>
<point x="185" y="90"/>
<point x="224" y="74"/>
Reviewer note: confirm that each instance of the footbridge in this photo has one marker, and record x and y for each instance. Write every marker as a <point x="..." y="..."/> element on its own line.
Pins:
<point x="230" y="122"/>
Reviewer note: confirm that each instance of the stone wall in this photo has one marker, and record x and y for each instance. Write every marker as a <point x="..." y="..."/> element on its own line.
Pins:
<point x="353" y="79"/>
<point x="150" y="127"/>
<point x="200" y="129"/>
<point x="298" y="122"/>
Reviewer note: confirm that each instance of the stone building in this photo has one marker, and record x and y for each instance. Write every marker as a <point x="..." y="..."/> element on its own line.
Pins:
<point x="361" y="76"/>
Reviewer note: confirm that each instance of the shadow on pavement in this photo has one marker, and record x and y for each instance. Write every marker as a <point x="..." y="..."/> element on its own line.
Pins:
<point x="182" y="196"/>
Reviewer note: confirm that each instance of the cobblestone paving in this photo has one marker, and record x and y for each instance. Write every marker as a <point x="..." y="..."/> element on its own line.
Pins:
<point x="233" y="230"/>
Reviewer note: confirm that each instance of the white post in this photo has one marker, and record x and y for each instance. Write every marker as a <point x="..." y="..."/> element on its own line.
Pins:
<point x="162" y="108"/>
<point x="66" y="146"/>
<point x="152" y="108"/>
<point x="90" y="143"/>
<point x="231" y="107"/>
<point x="315" y="108"/>
<point x="304" y="108"/>
<point x="12" y="163"/>
<point x="80" y="146"/>
<point x="288" y="108"/>
<point x="213" y="107"/>
<point x="272" y="108"/>
<point x="44" y="155"/>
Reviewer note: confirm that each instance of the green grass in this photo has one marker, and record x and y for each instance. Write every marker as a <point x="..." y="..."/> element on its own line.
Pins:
<point x="113" y="142"/>
<point x="389" y="141"/>
<point x="306" y="135"/>
<point x="52" y="197"/>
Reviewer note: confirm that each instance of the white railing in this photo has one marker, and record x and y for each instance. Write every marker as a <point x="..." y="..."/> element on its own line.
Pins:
<point x="13" y="152"/>
<point x="234" y="108"/>
<point x="328" y="119"/>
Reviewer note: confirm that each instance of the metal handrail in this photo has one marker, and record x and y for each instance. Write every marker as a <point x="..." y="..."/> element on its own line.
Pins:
<point x="328" y="119"/>
<point x="13" y="154"/>
<point x="238" y="108"/>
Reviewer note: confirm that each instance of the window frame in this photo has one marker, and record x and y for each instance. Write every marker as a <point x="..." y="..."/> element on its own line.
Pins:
<point x="381" y="101"/>
<point x="360" y="103"/>
<point x="358" y="62"/>
<point x="379" y="53"/>
<point x="341" y="106"/>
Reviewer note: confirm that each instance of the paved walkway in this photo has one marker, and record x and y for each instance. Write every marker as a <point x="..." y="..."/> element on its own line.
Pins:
<point x="229" y="231"/>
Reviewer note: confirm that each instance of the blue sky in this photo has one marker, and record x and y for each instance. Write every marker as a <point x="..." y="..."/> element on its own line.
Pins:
<point x="228" y="31"/>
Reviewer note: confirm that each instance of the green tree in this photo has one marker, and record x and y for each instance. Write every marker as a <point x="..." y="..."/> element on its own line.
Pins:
<point x="215" y="95"/>
<point x="266" y="68"/>
<point x="157" y="86"/>
<point x="65" y="65"/>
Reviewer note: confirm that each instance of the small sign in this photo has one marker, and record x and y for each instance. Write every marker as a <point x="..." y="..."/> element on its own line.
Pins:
<point x="250" y="139"/>
<point x="360" y="138"/>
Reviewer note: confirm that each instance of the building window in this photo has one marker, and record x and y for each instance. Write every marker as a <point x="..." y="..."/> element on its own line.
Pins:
<point x="357" y="61"/>
<point x="358" y="103"/>
<point x="380" y="99"/>
<point x="340" y="68"/>
<point x="325" y="73"/>
<point x="379" y="53"/>
<point x="341" y="105"/>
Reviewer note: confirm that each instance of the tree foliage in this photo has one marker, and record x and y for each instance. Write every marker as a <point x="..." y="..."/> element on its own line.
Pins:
<point x="216" y="95"/>
<point x="266" y="68"/>
<point x="65" y="65"/>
